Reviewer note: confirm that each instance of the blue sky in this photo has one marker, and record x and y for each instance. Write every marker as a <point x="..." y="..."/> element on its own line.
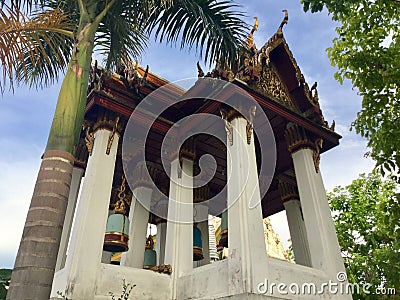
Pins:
<point x="26" y="115"/>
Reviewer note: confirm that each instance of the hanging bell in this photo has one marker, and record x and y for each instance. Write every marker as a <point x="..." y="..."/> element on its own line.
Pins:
<point x="197" y="244"/>
<point x="223" y="242"/>
<point x="117" y="229"/>
<point x="150" y="255"/>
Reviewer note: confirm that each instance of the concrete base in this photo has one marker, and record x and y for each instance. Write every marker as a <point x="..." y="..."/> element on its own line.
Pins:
<point x="220" y="280"/>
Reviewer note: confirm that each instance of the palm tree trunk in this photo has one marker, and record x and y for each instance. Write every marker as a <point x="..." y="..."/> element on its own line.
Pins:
<point x="33" y="272"/>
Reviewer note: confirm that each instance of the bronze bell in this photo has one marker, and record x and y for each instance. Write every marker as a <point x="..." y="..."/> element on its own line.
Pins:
<point x="197" y="244"/>
<point x="117" y="229"/>
<point x="150" y="255"/>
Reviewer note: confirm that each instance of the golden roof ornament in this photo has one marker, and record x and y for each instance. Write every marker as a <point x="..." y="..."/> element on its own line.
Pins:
<point x="250" y="39"/>
<point x="120" y="207"/>
<point x="199" y="70"/>
<point x="284" y="22"/>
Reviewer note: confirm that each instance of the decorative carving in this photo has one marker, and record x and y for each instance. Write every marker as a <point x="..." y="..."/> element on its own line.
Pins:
<point x="314" y="97"/>
<point x="201" y="194"/>
<point x="95" y="77"/>
<point x="199" y="70"/>
<point x="165" y="269"/>
<point x="140" y="176"/>
<point x="316" y="153"/>
<point x="130" y="75"/>
<point x="270" y="83"/>
<point x="250" y="39"/>
<point x="112" y="135"/>
<point x="263" y="56"/>
<point x="228" y="126"/>
<point x="332" y="127"/>
<point x="188" y="150"/>
<point x="149" y="243"/>
<point x="80" y="164"/>
<point x="89" y="139"/>
<point x="297" y="139"/>
<point x="288" y="191"/>
<point x="284" y="22"/>
<point x="120" y="207"/>
<point x="250" y="121"/>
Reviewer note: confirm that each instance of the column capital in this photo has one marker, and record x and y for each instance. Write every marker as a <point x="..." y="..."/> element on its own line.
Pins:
<point x="188" y="149"/>
<point x="201" y="194"/>
<point x="108" y="124"/>
<point x="229" y="114"/>
<point x="288" y="191"/>
<point x="140" y="176"/>
<point x="104" y="123"/>
<point x="297" y="139"/>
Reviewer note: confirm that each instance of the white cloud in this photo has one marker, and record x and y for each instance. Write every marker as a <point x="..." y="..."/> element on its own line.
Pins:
<point x="16" y="188"/>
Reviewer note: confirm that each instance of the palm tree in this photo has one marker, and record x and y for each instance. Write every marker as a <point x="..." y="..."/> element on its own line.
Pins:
<point x="119" y="29"/>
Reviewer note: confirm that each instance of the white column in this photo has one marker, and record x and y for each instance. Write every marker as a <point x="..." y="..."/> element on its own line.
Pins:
<point x="160" y="244"/>
<point x="202" y="214"/>
<point x="77" y="174"/>
<point x="297" y="232"/>
<point x="179" y="240"/>
<point x="83" y="261"/>
<point x="138" y="218"/>
<point x="245" y="223"/>
<point x="212" y="241"/>
<point x="324" y="246"/>
<point x="161" y="212"/>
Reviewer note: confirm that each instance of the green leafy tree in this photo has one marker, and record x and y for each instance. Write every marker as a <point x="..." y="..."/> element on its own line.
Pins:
<point x="367" y="52"/>
<point x="366" y="215"/>
<point x="5" y="275"/>
<point x="119" y="29"/>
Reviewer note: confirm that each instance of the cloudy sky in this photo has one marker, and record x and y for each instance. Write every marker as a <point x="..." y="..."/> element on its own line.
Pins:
<point x="26" y="114"/>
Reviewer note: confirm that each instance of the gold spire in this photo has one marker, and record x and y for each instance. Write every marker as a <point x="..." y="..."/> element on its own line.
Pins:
<point x="250" y="39"/>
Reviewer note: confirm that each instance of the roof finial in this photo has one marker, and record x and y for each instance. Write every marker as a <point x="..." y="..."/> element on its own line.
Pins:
<point x="199" y="70"/>
<point x="284" y="21"/>
<point x="250" y="39"/>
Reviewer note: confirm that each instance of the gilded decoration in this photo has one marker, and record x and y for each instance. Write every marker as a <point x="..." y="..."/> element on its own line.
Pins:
<point x="288" y="191"/>
<point x="200" y="72"/>
<point x="228" y="126"/>
<point x="188" y="150"/>
<point x="316" y="154"/>
<point x="297" y="139"/>
<point x="284" y="22"/>
<point x="130" y="75"/>
<point x="120" y="205"/>
<point x="250" y="121"/>
<point x="144" y="176"/>
<point x="112" y="135"/>
<point x="89" y="139"/>
<point x="270" y="83"/>
<point x="164" y="269"/>
<point x="255" y="68"/>
<point x="201" y="194"/>
<point x="250" y="39"/>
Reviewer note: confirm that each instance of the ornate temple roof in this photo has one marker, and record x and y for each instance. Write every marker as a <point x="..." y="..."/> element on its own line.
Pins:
<point x="273" y="72"/>
<point x="270" y="75"/>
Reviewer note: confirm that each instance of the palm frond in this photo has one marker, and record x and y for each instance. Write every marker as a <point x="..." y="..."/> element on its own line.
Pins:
<point x="213" y="27"/>
<point x="25" y="5"/>
<point x="34" y="50"/>
<point x="121" y="34"/>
